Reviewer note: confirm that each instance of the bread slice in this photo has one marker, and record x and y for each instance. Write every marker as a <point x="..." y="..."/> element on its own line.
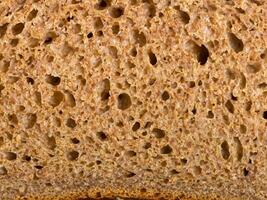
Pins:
<point x="149" y="99"/>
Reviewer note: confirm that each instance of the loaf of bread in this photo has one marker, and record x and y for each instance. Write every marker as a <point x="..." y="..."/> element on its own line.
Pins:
<point x="148" y="99"/>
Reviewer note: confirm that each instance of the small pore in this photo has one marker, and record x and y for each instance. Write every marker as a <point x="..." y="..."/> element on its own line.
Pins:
<point x="136" y="126"/>
<point x="184" y="16"/>
<point x="124" y="101"/>
<point x="116" y="12"/>
<point x="264" y="115"/>
<point x="159" y="133"/>
<point x="113" y="51"/>
<point x="3" y="171"/>
<point x="225" y="150"/>
<point x="210" y="115"/>
<point x="102" y="4"/>
<point x="70" y="99"/>
<point x="115" y="29"/>
<point x="3" y="29"/>
<point x="254" y="68"/>
<point x="32" y="14"/>
<point x="10" y="156"/>
<point x="105" y="88"/>
<point x="235" y="43"/>
<point x="239" y="149"/>
<point x="165" y="96"/>
<point x="30" y="120"/>
<point x="202" y="55"/>
<point x="98" y="24"/>
<point x="152" y="58"/>
<point x="139" y="38"/>
<point x="72" y="155"/>
<point x="18" y="28"/>
<point x="38" y="98"/>
<point x="166" y="149"/>
<point x="51" y="142"/>
<point x="101" y="136"/>
<point x="53" y="80"/>
<point x="71" y="123"/>
<point x="56" y="98"/>
<point x="130" y="153"/>
<point x="230" y="107"/>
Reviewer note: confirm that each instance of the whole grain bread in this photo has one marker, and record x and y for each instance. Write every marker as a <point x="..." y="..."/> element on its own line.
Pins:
<point x="148" y="99"/>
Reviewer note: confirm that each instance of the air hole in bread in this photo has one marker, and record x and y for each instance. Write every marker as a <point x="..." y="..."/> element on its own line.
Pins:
<point x="234" y="98"/>
<point x="248" y="106"/>
<point x="262" y="85"/>
<point x="33" y="42"/>
<point x="1" y="141"/>
<point x="3" y="29"/>
<point x="72" y="155"/>
<point x="139" y="38"/>
<point x="230" y="74"/>
<point x="147" y="145"/>
<point x="13" y="119"/>
<point x="143" y="190"/>
<point x="105" y="88"/>
<point x="75" y="141"/>
<point x="1" y="89"/>
<point x="26" y="158"/>
<point x="101" y="136"/>
<point x="197" y="170"/>
<point x="166" y="149"/>
<point x="133" y="52"/>
<point x="113" y="51"/>
<point x="124" y="101"/>
<point x="152" y="58"/>
<point x="165" y="96"/>
<point x="10" y="155"/>
<point x="98" y="24"/>
<point x="90" y="35"/>
<point x="136" y="126"/>
<point x="115" y="29"/>
<point x="38" y="98"/>
<point x="243" y="128"/>
<point x="184" y="16"/>
<point x="130" y="153"/>
<point x="102" y="4"/>
<point x="245" y="172"/>
<point x="30" y="80"/>
<point x="239" y="149"/>
<point x="130" y="65"/>
<point x="38" y="167"/>
<point x="53" y="80"/>
<point x="159" y="133"/>
<point x="116" y="12"/>
<point x="70" y="99"/>
<point x="71" y="123"/>
<point x="225" y="150"/>
<point x="32" y="14"/>
<point x="30" y="120"/>
<point x="174" y="172"/>
<point x="3" y="171"/>
<point x="56" y="98"/>
<point x="236" y="43"/>
<point x="264" y="115"/>
<point x="202" y="55"/>
<point x="66" y="49"/>
<point x="4" y="66"/>
<point x="51" y="142"/>
<point x="18" y="28"/>
<point x="192" y="84"/>
<point x="230" y="107"/>
<point x="210" y="114"/>
<point x="254" y="68"/>
<point x="14" y="42"/>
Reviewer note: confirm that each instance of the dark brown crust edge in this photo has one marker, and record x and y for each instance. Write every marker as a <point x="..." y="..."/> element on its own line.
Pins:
<point x="124" y="193"/>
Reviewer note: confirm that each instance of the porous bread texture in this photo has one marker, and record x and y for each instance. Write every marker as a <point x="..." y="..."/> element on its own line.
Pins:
<point x="150" y="99"/>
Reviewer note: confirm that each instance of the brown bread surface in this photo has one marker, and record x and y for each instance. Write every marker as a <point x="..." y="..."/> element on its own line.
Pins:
<point x="137" y="99"/>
